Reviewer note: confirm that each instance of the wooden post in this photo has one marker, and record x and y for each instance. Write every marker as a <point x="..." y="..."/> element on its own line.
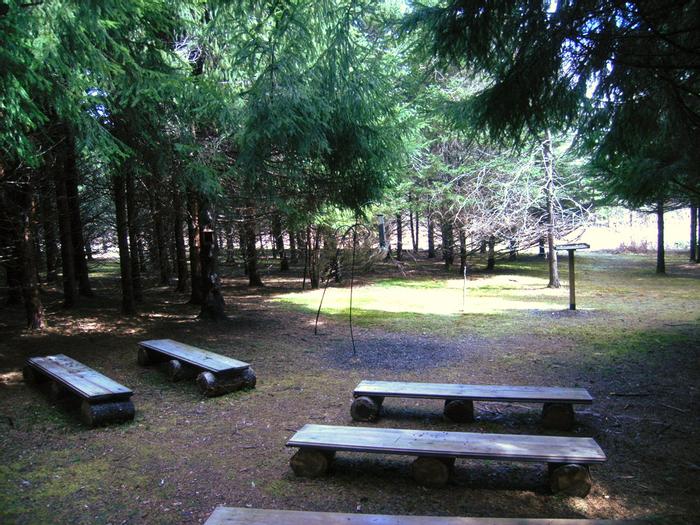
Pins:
<point x="572" y="281"/>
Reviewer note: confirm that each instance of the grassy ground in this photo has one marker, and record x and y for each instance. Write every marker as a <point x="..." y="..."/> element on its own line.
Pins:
<point x="633" y="343"/>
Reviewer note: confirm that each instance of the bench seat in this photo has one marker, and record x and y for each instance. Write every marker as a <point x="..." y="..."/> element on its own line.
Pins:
<point x="244" y="516"/>
<point x="322" y="441"/>
<point x="104" y="400"/>
<point x="557" y="413"/>
<point x="216" y="374"/>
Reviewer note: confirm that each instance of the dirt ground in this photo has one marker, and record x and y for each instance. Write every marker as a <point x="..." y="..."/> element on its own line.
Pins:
<point x="184" y="454"/>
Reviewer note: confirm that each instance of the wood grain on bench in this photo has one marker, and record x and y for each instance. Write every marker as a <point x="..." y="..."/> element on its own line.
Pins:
<point x="195" y="356"/>
<point x="549" y="449"/>
<point x="534" y="394"/>
<point x="82" y="380"/>
<point x="245" y="516"/>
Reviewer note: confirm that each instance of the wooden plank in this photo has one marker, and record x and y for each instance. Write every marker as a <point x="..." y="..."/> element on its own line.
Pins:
<point x="244" y="516"/>
<point x="576" y="246"/>
<point x="511" y="447"/>
<point x="195" y="356"/>
<point x="532" y="394"/>
<point x="82" y="380"/>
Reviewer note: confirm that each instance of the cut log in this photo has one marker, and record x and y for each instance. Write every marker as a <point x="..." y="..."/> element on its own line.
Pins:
<point x="102" y="413"/>
<point x="57" y="391"/>
<point x="178" y="371"/>
<point x="365" y="408"/>
<point x="569" y="479"/>
<point x="459" y="410"/>
<point x="431" y="471"/>
<point x="218" y="384"/>
<point x="144" y="356"/>
<point x="32" y="376"/>
<point x="558" y="416"/>
<point x="310" y="463"/>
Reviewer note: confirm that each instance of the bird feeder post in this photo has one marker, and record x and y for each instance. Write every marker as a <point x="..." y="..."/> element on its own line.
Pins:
<point x="571" y="249"/>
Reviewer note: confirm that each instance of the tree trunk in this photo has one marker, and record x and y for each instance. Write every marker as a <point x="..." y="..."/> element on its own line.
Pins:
<point x="251" y="250"/>
<point x="293" y="254"/>
<point x="448" y="254"/>
<point x="128" y="304"/>
<point x="64" y="231"/>
<point x="697" y="221"/>
<point x="512" y="250"/>
<point x="417" y="231"/>
<point x="541" y="252"/>
<point x="134" y="231"/>
<point x="462" y="251"/>
<point x="48" y="218"/>
<point x="491" y="261"/>
<point x="549" y="171"/>
<point x="279" y="242"/>
<point x="180" y="253"/>
<point x="213" y="304"/>
<point x="399" y="237"/>
<point x="693" y="232"/>
<point x="76" y="223"/>
<point x="431" y="238"/>
<point x="315" y="261"/>
<point x="243" y="244"/>
<point x="194" y="241"/>
<point x="660" y="249"/>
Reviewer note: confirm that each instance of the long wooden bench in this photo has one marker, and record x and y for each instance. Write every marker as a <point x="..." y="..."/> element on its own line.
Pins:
<point x="216" y="374"/>
<point x="244" y="516"/>
<point x="557" y="412"/>
<point x="104" y="400"/>
<point x="567" y="458"/>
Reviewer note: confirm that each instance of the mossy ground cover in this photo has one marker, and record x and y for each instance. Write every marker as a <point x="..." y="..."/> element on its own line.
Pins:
<point x="633" y="343"/>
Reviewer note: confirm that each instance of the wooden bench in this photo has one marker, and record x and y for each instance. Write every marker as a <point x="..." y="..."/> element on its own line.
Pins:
<point x="244" y="516"/>
<point x="567" y="457"/>
<point x="216" y="374"/>
<point x="557" y="413"/>
<point x="104" y="400"/>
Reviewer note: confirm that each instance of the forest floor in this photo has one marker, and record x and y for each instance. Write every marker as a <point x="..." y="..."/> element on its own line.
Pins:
<point x="633" y="344"/>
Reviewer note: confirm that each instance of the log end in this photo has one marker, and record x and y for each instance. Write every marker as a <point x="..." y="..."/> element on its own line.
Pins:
<point x="459" y="410"/>
<point x="432" y="472"/>
<point x="570" y="479"/>
<point x="309" y="463"/>
<point x="558" y="416"/>
<point x="365" y="408"/>
<point x="143" y="357"/>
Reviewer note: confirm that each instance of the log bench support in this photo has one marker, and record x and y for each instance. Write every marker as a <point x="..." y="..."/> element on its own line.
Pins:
<point x="215" y="374"/>
<point x="459" y="410"/>
<point x="432" y="471"/>
<point x="569" y="479"/>
<point x="366" y="408"/>
<point x="97" y="414"/>
<point x="311" y="463"/>
<point x="558" y="416"/>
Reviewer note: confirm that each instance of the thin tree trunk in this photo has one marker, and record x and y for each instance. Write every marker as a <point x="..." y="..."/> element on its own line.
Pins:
<point x="178" y="229"/>
<point x="660" y="249"/>
<point x="194" y="242"/>
<point x="251" y="250"/>
<point x="134" y="231"/>
<point x="697" y="221"/>
<point x="491" y="260"/>
<point x="399" y="237"/>
<point x="279" y="242"/>
<point x="448" y="254"/>
<point x="462" y="251"/>
<point x="417" y="230"/>
<point x="512" y="250"/>
<point x="33" y="308"/>
<point x="541" y="252"/>
<point x="71" y="181"/>
<point x="64" y="231"/>
<point x="119" y="187"/>
<point x="213" y="305"/>
<point x="431" y="237"/>
<point x="48" y="218"/>
<point x="693" y="232"/>
<point x="243" y="244"/>
<point x="315" y="261"/>
<point x="293" y="255"/>
<point x="549" y="171"/>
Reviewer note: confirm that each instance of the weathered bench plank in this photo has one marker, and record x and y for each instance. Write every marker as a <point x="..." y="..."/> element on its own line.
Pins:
<point x="82" y="380"/>
<point x="567" y="457"/>
<point x="194" y="356"/>
<point x="511" y="447"/>
<point x="496" y="393"/>
<point x="244" y="516"/>
<point x="216" y="374"/>
<point x="104" y="400"/>
<point x="459" y="399"/>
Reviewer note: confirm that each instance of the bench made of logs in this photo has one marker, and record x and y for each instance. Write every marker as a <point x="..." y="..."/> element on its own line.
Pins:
<point x="567" y="457"/>
<point x="216" y="374"/>
<point x="245" y="516"/>
<point x="104" y="400"/>
<point x="557" y="412"/>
